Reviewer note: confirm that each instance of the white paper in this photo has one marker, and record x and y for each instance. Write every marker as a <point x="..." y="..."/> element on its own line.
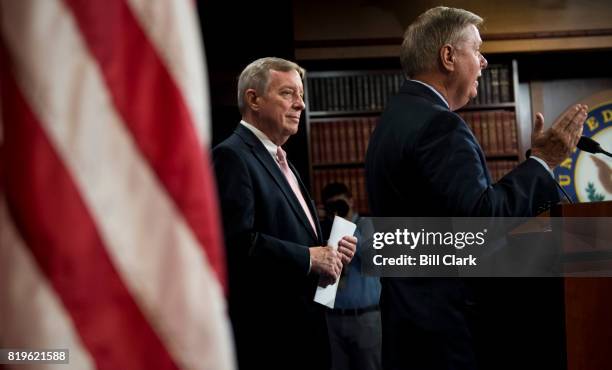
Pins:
<point x="340" y="228"/>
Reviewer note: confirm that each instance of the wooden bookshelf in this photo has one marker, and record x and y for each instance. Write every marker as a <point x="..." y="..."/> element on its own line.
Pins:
<point x="492" y="117"/>
<point x="343" y="108"/>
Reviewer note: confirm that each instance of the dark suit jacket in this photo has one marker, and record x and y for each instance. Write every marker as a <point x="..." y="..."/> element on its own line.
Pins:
<point x="423" y="160"/>
<point x="267" y="235"/>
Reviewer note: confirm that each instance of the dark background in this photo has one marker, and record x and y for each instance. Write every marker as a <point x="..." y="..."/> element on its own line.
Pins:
<point x="235" y="35"/>
<point x="529" y="312"/>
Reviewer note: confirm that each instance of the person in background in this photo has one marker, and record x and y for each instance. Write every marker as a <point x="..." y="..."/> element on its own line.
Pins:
<point x="354" y="322"/>
<point x="275" y="252"/>
<point x="422" y="160"/>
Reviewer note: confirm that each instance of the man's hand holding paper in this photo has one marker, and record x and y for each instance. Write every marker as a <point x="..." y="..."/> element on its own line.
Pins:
<point x="327" y="263"/>
<point x="340" y="239"/>
<point x="347" y="247"/>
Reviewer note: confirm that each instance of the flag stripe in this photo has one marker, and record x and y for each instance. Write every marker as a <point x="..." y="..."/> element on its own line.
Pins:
<point x="177" y="49"/>
<point x="154" y="251"/>
<point x="154" y="111"/>
<point x="62" y="236"/>
<point x="33" y="317"/>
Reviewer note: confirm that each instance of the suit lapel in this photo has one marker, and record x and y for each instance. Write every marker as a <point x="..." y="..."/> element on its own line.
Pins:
<point x="266" y="160"/>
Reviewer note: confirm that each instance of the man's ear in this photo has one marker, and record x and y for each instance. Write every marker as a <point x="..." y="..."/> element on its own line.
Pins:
<point x="251" y="99"/>
<point x="447" y="58"/>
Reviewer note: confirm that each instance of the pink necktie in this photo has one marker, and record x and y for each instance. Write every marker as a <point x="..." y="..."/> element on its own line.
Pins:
<point x="282" y="161"/>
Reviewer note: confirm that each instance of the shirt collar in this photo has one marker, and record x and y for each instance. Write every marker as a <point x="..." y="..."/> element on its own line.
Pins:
<point x="267" y="143"/>
<point x="434" y="90"/>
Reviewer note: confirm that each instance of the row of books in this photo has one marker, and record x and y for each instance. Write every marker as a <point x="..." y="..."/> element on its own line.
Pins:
<point x="357" y="92"/>
<point x="494" y="86"/>
<point x="340" y="140"/>
<point x="495" y="130"/>
<point x="363" y="92"/>
<point x="499" y="169"/>
<point x="353" y="178"/>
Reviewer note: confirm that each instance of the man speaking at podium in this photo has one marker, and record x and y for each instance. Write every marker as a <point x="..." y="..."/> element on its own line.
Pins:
<point x="423" y="160"/>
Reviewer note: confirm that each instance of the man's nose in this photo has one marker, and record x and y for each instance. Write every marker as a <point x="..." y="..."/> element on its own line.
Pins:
<point x="483" y="62"/>
<point x="299" y="103"/>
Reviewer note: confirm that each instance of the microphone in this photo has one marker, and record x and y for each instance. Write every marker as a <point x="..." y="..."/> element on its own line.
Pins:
<point x="591" y="146"/>
<point x="585" y="144"/>
<point x="564" y="193"/>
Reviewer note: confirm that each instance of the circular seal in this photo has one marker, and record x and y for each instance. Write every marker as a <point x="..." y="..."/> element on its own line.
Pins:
<point x="584" y="176"/>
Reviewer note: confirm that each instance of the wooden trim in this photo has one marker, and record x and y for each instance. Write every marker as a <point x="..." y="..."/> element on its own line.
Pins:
<point x="495" y="43"/>
<point x="353" y="52"/>
<point x="548" y="44"/>
<point x="338" y="43"/>
<point x="547" y="34"/>
<point x="537" y="99"/>
<point x="536" y="94"/>
<point x="523" y="144"/>
<point x="490" y="47"/>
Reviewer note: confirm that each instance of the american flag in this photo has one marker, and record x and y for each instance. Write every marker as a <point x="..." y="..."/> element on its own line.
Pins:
<point x="110" y="242"/>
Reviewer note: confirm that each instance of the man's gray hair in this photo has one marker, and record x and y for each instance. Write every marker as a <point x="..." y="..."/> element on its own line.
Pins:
<point x="433" y="29"/>
<point x="257" y="75"/>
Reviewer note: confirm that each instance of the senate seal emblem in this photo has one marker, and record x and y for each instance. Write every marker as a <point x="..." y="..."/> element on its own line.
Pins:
<point x="584" y="176"/>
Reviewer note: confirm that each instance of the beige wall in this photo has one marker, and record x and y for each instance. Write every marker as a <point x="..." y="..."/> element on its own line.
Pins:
<point x="510" y="26"/>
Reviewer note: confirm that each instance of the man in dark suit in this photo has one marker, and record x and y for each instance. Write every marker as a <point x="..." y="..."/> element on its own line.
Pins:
<point x="272" y="233"/>
<point x="423" y="160"/>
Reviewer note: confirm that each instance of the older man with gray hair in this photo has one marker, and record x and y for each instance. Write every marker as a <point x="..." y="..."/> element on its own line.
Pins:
<point x="275" y="251"/>
<point x="423" y="161"/>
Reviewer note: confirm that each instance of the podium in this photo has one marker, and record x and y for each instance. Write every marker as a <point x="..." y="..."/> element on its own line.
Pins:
<point x="588" y="300"/>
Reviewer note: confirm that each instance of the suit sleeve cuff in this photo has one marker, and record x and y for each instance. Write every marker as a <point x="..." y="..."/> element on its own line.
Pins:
<point x="309" y="263"/>
<point x="541" y="161"/>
